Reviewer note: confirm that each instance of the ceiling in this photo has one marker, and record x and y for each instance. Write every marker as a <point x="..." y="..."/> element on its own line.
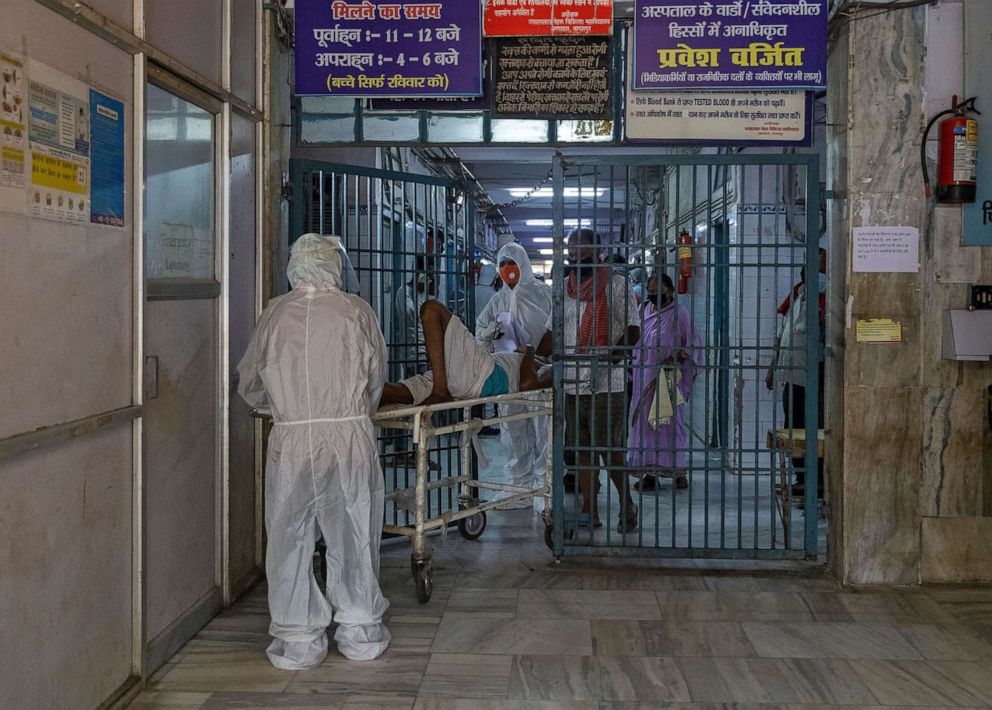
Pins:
<point x="500" y="170"/>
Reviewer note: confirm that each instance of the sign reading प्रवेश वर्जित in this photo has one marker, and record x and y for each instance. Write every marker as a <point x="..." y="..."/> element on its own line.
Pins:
<point x="730" y="44"/>
<point x="535" y="18"/>
<point x="388" y="49"/>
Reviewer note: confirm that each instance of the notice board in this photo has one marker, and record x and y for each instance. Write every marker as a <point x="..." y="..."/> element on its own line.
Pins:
<point x="390" y="49"/>
<point x="553" y="77"/>
<point x="534" y="18"/>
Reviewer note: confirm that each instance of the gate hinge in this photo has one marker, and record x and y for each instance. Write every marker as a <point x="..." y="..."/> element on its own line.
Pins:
<point x="287" y="189"/>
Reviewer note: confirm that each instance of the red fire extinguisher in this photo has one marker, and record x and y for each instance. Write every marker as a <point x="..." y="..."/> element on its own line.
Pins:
<point x="958" y="157"/>
<point x="685" y="260"/>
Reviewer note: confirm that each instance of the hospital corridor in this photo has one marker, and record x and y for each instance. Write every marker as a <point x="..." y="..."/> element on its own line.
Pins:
<point x="495" y="354"/>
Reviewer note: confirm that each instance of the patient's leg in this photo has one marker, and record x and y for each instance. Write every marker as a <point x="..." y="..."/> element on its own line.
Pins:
<point x="435" y="317"/>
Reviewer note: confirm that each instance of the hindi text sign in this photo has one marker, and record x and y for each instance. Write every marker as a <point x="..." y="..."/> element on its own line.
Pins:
<point x="393" y="49"/>
<point x="559" y="77"/>
<point x="729" y="44"/>
<point x="535" y="18"/>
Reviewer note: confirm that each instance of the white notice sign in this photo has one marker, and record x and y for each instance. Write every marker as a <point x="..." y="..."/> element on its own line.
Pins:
<point x="886" y="249"/>
<point x="705" y="116"/>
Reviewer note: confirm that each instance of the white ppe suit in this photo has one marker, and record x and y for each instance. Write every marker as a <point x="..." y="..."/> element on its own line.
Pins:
<point x="484" y="288"/>
<point x="317" y="361"/>
<point x="529" y="306"/>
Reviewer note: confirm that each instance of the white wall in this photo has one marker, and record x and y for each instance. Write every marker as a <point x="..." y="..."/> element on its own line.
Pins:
<point x="70" y="328"/>
<point x="66" y="512"/>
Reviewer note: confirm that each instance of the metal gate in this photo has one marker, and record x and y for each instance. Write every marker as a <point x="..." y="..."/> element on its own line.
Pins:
<point x="407" y="236"/>
<point x="685" y="409"/>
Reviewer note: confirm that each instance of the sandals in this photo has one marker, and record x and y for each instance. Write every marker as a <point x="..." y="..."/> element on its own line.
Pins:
<point x="629" y="523"/>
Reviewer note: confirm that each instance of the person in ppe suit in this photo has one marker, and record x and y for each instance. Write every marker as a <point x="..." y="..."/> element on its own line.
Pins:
<point x="519" y="312"/>
<point x="485" y="288"/>
<point x="317" y="361"/>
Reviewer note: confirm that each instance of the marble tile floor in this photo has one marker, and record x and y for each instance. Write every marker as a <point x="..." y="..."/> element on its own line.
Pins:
<point x="719" y="509"/>
<point x="507" y="629"/>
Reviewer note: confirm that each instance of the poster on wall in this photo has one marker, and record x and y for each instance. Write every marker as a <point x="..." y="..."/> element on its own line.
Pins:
<point x="59" y="135"/>
<point x="566" y="77"/>
<point x="730" y="44"/>
<point x="13" y="133"/>
<point x="107" y="160"/>
<point x="388" y="49"/>
<point x="533" y="18"/>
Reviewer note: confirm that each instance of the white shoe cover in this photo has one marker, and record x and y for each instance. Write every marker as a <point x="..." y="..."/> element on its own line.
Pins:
<point x="362" y="643"/>
<point x="297" y="655"/>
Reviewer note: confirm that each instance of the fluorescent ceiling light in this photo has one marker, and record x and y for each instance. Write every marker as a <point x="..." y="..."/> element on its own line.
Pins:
<point x="551" y="223"/>
<point x="545" y="252"/>
<point x="543" y="240"/>
<point x="549" y="192"/>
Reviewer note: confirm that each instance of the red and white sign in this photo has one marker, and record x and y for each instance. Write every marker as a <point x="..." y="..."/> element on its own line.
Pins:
<point x="534" y="18"/>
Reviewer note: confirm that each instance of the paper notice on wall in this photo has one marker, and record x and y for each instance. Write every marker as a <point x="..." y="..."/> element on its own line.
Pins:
<point x="878" y="330"/>
<point x="106" y="160"/>
<point x="886" y="250"/>
<point x="13" y="133"/>
<point x="59" y="134"/>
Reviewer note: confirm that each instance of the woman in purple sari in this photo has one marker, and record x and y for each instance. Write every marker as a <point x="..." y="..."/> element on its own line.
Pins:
<point x="669" y="343"/>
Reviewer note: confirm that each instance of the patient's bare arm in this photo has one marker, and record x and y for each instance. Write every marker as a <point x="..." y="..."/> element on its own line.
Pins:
<point x="395" y="393"/>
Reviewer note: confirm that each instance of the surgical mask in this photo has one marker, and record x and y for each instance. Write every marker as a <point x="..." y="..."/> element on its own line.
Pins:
<point x="822" y="282"/>
<point x="510" y="274"/>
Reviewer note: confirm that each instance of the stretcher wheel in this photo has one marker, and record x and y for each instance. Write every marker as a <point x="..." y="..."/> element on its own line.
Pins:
<point x="425" y="582"/>
<point x="472" y="527"/>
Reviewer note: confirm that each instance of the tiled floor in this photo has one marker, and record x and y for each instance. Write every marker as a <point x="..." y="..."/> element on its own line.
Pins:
<point x="507" y="629"/>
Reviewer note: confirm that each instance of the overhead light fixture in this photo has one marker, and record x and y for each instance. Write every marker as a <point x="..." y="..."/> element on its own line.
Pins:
<point x="543" y="240"/>
<point x="549" y="192"/>
<point x="551" y="223"/>
<point x="546" y="252"/>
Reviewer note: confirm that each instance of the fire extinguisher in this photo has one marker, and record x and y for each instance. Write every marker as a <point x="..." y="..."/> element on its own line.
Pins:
<point x="958" y="157"/>
<point x="685" y="260"/>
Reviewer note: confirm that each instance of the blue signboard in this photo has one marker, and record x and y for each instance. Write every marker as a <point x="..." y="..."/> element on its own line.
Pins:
<point x="388" y="49"/>
<point x="106" y="160"/>
<point x="730" y="44"/>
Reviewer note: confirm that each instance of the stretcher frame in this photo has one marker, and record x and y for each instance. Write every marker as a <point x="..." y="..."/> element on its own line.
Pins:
<point x="471" y="508"/>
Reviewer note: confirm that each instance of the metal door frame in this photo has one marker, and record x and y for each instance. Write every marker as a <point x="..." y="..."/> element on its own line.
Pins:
<point x="811" y="162"/>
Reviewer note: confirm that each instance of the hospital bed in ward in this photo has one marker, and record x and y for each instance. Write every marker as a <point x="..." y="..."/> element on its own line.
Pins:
<point x="471" y="513"/>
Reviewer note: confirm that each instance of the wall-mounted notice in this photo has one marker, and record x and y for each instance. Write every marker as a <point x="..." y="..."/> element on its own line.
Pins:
<point x="878" y="330"/>
<point x="59" y="132"/>
<point x="536" y="77"/>
<point x="730" y="44"/>
<point x="13" y="133"/>
<point x="886" y="249"/>
<point x="532" y="18"/>
<point x="771" y="117"/>
<point x="392" y="49"/>
<point x="107" y="160"/>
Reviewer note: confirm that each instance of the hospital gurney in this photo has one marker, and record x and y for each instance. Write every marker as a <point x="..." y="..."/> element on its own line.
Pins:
<point x="471" y="513"/>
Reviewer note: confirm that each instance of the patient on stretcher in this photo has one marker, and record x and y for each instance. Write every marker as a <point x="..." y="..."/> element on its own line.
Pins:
<point x="461" y="368"/>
